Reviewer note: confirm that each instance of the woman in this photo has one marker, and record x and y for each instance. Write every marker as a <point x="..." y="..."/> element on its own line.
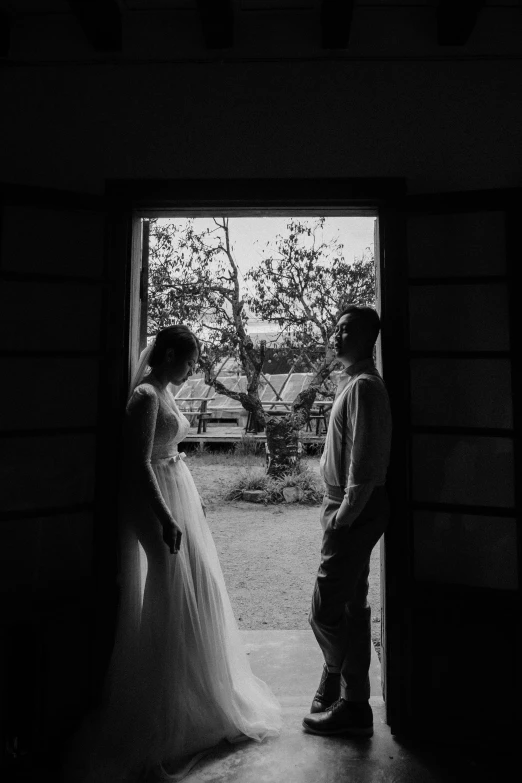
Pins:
<point x="179" y="681"/>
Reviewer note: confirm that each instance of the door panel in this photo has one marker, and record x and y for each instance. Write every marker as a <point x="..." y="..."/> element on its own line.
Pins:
<point x="36" y="551"/>
<point x="459" y="317"/>
<point x="465" y="549"/>
<point x="40" y="471"/>
<point x="461" y="392"/>
<point x="62" y="348"/>
<point x="76" y="237"/>
<point x="57" y="381"/>
<point x="466" y="470"/>
<point x="64" y="316"/>
<point x="448" y="636"/>
<point x="470" y="243"/>
<point x="451" y="364"/>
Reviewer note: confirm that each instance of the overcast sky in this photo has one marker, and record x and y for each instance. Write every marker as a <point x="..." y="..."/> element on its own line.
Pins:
<point x="250" y="234"/>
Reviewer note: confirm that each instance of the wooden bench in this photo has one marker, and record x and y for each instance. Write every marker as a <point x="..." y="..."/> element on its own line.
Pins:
<point x="276" y="408"/>
<point x="202" y="414"/>
<point x="206" y="412"/>
<point x="203" y="417"/>
<point x="319" y="416"/>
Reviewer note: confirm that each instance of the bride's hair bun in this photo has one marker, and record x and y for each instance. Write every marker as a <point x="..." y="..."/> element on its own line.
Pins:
<point x="179" y="338"/>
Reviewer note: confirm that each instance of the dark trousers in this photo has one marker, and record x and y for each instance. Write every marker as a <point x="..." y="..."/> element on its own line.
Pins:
<point x="341" y="616"/>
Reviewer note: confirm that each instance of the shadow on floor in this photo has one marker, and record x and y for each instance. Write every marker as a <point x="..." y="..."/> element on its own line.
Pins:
<point x="290" y="662"/>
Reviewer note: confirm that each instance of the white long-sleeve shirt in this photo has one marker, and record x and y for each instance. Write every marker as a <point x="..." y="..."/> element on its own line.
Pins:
<point x="367" y="439"/>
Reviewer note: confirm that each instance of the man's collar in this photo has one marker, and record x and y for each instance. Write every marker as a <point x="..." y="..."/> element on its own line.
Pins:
<point x="362" y="366"/>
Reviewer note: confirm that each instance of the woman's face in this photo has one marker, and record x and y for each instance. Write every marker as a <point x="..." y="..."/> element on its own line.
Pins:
<point x="180" y="371"/>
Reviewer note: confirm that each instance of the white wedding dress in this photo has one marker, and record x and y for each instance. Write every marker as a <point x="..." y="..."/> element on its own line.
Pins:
<point x="179" y="680"/>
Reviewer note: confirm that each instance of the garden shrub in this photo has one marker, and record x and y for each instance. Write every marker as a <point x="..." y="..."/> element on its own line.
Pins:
<point x="308" y="482"/>
<point x="255" y="478"/>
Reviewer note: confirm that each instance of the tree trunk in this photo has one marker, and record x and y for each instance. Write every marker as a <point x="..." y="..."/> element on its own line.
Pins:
<point x="283" y="444"/>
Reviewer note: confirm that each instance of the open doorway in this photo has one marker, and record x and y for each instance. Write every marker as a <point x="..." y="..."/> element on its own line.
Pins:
<point x="280" y="281"/>
<point x="416" y="235"/>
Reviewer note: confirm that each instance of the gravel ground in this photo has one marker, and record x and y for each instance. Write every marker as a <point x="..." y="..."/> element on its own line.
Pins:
<point x="269" y="554"/>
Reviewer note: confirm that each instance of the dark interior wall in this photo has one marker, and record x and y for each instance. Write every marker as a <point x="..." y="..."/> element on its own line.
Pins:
<point x="443" y="125"/>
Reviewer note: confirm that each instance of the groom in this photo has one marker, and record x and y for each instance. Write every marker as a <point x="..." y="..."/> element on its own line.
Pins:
<point x="354" y="515"/>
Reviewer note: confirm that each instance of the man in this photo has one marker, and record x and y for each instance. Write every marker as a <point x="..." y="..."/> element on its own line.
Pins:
<point x="354" y="515"/>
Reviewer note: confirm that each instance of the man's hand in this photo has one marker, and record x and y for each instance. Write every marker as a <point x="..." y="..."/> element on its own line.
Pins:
<point x="344" y="517"/>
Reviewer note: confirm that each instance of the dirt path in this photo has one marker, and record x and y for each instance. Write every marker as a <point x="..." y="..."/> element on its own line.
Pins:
<point x="269" y="554"/>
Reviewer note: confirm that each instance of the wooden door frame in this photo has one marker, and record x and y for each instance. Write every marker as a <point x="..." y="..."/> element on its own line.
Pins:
<point x="132" y="199"/>
<point x="257" y="196"/>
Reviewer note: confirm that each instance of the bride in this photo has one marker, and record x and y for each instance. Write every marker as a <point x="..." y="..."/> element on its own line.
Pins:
<point x="179" y="681"/>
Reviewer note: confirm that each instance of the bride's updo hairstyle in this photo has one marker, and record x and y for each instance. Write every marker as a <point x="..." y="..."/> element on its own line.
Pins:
<point x="179" y="338"/>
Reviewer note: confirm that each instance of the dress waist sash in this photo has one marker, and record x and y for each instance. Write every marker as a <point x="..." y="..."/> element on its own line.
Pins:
<point x="170" y="457"/>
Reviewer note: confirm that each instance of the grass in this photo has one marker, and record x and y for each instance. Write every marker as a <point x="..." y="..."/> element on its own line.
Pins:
<point x="224" y="455"/>
<point x="249" y="447"/>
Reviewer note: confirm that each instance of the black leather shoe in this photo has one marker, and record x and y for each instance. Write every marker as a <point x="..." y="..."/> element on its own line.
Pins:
<point x="328" y="691"/>
<point x="343" y="717"/>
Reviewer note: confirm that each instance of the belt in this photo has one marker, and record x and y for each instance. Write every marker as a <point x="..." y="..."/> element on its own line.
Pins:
<point x="335" y="491"/>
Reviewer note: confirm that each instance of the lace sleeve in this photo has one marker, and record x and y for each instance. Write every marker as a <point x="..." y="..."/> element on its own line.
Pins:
<point x="142" y="412"/>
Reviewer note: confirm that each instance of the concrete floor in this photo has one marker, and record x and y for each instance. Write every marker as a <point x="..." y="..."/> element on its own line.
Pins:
<point x="290" y="662"/>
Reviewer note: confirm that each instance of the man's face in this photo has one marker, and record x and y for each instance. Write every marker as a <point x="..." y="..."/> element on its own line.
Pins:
<point x="344" y="335"/>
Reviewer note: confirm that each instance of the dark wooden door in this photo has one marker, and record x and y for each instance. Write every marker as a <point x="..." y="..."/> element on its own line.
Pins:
<point x="62" y="350"/>
<point x="451" y="362"/>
